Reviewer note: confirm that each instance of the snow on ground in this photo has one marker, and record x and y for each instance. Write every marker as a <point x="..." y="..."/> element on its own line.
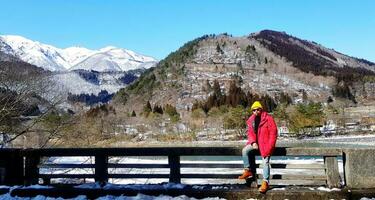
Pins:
<point x="108" y="197"/>
<point x="146" y="197"/>
<point x="165" y="186"/>
<point x="73" y="83"/>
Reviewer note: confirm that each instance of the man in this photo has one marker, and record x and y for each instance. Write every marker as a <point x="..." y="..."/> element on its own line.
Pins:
<point x="261" y="135"/>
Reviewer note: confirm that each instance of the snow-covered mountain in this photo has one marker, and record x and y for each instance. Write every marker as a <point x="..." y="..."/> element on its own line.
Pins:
<point x="55" y="59"/>
<point x="41" y="55"/>
<point x="114" y="59"/>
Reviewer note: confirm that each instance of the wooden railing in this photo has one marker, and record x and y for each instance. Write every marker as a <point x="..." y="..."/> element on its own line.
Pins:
<point x="30" y="162"/>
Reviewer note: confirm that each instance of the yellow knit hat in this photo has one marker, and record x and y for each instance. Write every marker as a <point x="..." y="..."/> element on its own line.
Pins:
<point x="256" y="105"/>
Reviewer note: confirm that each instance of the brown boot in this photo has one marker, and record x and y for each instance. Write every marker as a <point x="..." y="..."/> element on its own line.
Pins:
<point x="246" y="174"/>
<point x="264" y="187"/>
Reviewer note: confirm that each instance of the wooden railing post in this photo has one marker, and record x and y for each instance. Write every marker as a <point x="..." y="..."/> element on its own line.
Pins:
<point x="11" y="167"/>
<point x="332" y="171"/>
<point x="31" y="169"/>
<point x="101" y="169"/>
<point x="174" y="166"/>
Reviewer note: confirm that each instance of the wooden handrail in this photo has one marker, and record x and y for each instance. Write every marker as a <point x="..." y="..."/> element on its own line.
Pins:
<point x="180" y="151"/>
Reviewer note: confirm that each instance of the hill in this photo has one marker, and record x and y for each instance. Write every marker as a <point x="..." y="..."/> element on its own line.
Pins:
<point x="265" y="63"/>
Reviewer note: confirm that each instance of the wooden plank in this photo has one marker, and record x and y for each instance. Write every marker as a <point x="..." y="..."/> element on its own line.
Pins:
<point x="139" y="176"/>
<point x="332" y="172"/>
<point x="183" y="165"/>
<point x="50" y="176"/>
<point x="294" y="166"/>
<point x="110" y="165"/>
<point x="298" y="171"/>
<point x="272" y="176"/>
<point x="273" y="165"/>
<point x="295" y="177"/>
<point x="135" y="151"/>
<point x="182" y="151"/>
<point x="114" y="165"/>
<point x="215" y="176"/>
<point x="296" y="182"/>
<point x="210" y="165"/>
<point x="308" y="151"/>
<point x="219" y="176"/>
<point x="64" y="165"/>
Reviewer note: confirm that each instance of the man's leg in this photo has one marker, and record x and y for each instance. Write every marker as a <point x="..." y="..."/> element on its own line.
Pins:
<point x="266" y="169"/>
<point x="246" y="154"/>
<point x="266" y="175"/>
<point x="248" y="162"/>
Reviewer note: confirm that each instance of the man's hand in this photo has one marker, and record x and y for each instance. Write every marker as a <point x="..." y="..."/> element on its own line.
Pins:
<point x="255" y="146"/>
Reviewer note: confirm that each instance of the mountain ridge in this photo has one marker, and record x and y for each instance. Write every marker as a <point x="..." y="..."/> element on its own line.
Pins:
<point x="72" y="58"/>
<point x="258" y="64"/>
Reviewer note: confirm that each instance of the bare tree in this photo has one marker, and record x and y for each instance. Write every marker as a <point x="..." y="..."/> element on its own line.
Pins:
<point x="26" y="96"/>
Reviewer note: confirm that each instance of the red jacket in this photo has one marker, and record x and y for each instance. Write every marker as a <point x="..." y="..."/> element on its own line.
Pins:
<point x="267" y="134"/>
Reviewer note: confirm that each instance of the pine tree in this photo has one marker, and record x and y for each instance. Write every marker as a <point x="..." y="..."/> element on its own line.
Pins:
<point x="304" y="96"/>
<point x="329" y="100"/>
<point x="147" y="108"/>
<point x="158" y="109"/>
<point x="218" y="49"/>
<point x="133" y="114"/>
<point x="285" y="98"/>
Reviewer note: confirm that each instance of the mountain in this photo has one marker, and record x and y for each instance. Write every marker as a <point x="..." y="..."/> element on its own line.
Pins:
<point x="21" y="77"/>
<point x="310" y="56"/>
<point x="54" y="59"/>
<point x="114" y="59"/>
<point x="264" y="63"/>
<point x="35" y="53"/>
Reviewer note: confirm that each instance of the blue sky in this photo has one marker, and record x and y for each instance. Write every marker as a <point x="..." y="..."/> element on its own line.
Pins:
<point x="158" y="27"/>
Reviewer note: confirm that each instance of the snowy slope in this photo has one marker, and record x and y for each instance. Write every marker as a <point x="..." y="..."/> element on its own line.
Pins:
<point x="54" y="59"/>
<point x="74" y="55"/>
<point x="113" y="59"/>
<point x="73" y="83"/>
<point x="41" y="55"/>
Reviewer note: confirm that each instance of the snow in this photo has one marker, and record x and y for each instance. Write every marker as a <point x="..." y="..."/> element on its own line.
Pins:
<point x="328" y="189"/>
<point x="75" y="55"/>
<point x="279" y="189"/>
<point x="114" y="59"/>
<point x="147" y="197"/>
<point x="39" y="187"/>
<point x="109" y="197"/>
<point x="133" y="186"/>
<point x="55" y="59"/>
<point x="73" y="83"/>
<point x="41" y="55"/>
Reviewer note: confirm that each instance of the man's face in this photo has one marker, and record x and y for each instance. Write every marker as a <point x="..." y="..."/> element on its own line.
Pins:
<point x="257" y="111"/>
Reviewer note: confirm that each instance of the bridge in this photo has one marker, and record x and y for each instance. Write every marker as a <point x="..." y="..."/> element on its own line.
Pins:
<point x="25" y="167"/>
